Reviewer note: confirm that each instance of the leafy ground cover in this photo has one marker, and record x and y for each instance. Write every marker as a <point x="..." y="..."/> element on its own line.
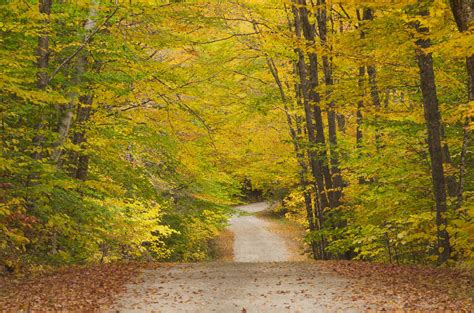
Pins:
<point x="408" y="287"/>
<point x="380" y="286"/>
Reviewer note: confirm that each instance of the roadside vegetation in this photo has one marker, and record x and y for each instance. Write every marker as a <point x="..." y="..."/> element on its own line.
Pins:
<point x="128" y="129"/>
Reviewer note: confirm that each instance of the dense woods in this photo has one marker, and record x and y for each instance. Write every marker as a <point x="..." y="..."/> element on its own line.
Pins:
<point x="129" y="128"/>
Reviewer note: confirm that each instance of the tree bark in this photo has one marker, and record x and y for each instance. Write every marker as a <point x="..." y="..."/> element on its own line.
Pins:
<point x="433" y="125"/>
<point x="462" y="165"/>
<point x="360" y="105"/>
<point x="80" y="159"/>
<point x="42" y="60"/>
<point x="298" y="152"/>
<point x="375" y="95"/>
<point x="315" y="100"/>
<point x="42" y="51"/>
<point x="463" y="12"/>
<point x="79" y="69"/>
<point x="321" y="201"/>
<point x="331" y="115"/>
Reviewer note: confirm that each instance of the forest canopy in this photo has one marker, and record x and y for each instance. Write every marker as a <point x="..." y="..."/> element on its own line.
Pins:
<point x="128" y="128"/>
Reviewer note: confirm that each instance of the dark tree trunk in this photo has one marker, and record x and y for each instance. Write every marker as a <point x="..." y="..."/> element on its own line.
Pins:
<point x="42" y="60"/>
<point x="470" y="73"/>
<point x="462" y="165"/>
<point x="463" y="12"/>
<point x="42" y="51"/>
<point x="79" y="160"/>
<point x="314" y="100"/>
<point x="321" y="200"/>
<point x="331" y="115"/>
<point x="295" y="134"/>
<point x="374" y="91"/>
<point x="360" y="105"/>
<point x="341" y="123"/>
<point x="433" y="125"/>
<point x="368" y="15"/>
<point x="375" y="95"/>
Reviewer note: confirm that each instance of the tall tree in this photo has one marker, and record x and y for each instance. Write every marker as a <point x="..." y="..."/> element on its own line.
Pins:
<point x="314" y="100"/>
<point x="337" y="181"/>
<point x="42" y="57"/>
<point x="433" y="125"/>
<point x="321" y="201"/>
<point x="463" y="12"/>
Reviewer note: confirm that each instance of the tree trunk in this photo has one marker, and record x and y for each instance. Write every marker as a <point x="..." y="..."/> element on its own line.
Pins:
<point x="298" y="152"/>
<point x="366" y="15"/>
<point x="360" y="105"/>
<point x="462" y="165"/>
<point x="463" y="12"/>
<point x="375" y="95"/>
<point x="341" y="123"/>
<point x="314" y="100"/>
<point x="79" y="160"/>
<point x="42" y="59"/>
<point x="42" y="51"/>
<point x="321" y="200"/>
<point x="80" y="67"/>
<point x="433" y="125"/>
<point x="331" y="115"/>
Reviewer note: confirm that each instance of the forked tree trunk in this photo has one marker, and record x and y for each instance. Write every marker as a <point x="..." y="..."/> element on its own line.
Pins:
<point x="314" y="100"/>
<point x="321" y="200"/>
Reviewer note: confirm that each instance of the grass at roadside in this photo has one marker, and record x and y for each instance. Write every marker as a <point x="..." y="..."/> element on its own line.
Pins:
<point x="223" y="246"/>
<point x="289" y="231"/>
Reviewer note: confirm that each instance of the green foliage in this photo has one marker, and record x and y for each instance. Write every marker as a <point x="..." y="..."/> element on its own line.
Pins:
<point x="110" y="187"/>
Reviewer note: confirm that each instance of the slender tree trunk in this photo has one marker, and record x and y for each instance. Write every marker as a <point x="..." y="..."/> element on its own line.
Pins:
<point x="433" y="125"/>
<point x="470" y="73"/>
<point x="42" y="59"/>
<point x="366" y="15"/>
<point x="331" y="115"/>
<point x="463" y="12"/>
<point x="80" y="68"/>
<point x="360" y="105"/>
<point x="375" y="95"/>
<point x="298" y="152"/>
<point x="462" y="165"/>
<point x="42" y="51"/>
<point x="341" y="123"/>
<point x="372" y="74"/>
<point x="63" y="129"/>
<point x="80" y="159"/>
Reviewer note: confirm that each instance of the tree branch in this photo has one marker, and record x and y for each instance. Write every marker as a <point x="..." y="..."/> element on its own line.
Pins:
<point x="223" y="39"/>
<point x="79" y="49"/>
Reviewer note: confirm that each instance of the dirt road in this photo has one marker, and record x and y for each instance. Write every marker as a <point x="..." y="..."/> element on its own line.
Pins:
<point x="259" y="279"/>
<point x="253" y="240"/>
